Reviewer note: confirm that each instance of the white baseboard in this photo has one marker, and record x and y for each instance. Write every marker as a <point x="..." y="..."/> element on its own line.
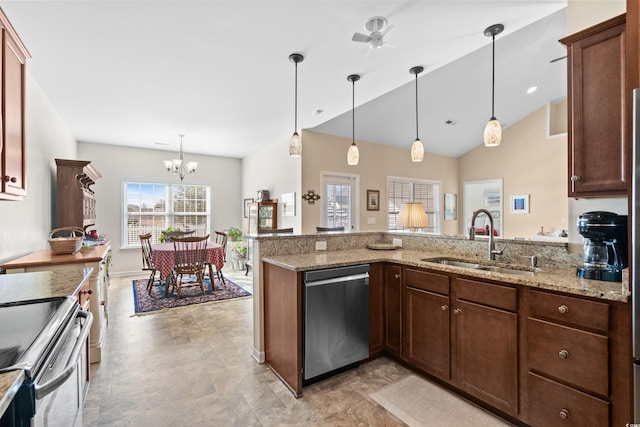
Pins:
<point x="258" y="355"/>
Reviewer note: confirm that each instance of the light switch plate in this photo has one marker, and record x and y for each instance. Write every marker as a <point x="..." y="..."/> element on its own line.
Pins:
<point x="321" y="245"/>
<point x="371" y="220"/>
<point x="397" y="242"/>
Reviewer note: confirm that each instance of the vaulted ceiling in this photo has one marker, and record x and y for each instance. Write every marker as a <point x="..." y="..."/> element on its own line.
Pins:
<point x="138" y="73"/>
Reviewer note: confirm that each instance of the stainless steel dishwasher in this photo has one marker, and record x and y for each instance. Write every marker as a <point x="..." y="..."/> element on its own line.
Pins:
<point x="336" y="318"/>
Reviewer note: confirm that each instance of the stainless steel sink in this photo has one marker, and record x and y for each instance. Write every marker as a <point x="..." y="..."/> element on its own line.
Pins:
<point x="477" y="266"/>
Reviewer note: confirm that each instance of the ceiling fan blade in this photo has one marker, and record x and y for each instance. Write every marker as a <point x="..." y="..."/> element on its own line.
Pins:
<point x="359" y="37"/>
<point x="386" y="30"/>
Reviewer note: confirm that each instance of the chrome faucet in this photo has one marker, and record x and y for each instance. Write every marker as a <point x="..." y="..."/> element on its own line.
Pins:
<point x="472" y="234"/>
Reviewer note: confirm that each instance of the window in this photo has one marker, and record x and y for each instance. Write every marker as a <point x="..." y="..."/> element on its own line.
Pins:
<point x="404" y="190"/>
<point x="152" y="207"/>
<point x="339" y="199"/>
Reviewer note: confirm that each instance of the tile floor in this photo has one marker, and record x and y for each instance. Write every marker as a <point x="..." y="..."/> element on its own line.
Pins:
<point x="192" y="366"/>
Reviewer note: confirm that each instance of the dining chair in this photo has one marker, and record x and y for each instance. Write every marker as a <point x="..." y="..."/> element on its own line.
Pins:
<point x="147" y="260"/>
<point x="221" y="239"/>
<point x="327" y="229"/>
<point x="190" y="256"/>
<point x="170" y="235"/>
<point x="275" y="230"/>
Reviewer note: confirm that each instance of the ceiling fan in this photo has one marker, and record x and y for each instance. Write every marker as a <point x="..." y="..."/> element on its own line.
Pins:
<point x="378" y="28"/>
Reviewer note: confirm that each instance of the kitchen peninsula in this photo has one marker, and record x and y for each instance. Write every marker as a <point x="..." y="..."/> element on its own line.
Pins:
<point x="532" y="346"/>
<point x="94" y="295"/>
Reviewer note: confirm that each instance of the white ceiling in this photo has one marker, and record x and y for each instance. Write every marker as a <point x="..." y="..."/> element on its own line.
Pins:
<point x="138" y="73"/>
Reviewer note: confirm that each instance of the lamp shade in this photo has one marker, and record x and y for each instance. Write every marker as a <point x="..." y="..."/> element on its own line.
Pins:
<point x="417" y="151"/>
<point x="353" y="155"/>
<point x="492" y="133"/>
<point x="412" y="215"/>
<point x="295" y="145"/>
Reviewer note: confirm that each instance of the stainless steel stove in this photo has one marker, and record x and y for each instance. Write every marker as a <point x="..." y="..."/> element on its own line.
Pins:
<point x="48" y="340"/>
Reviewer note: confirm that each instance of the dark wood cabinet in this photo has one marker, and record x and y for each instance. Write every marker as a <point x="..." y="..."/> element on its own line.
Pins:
<point x="75" y="200"/>
<point x="426" y="322"/>
<point x="393" y="310"/>
<point x="376" y="310"/>
<point x="263" y="216"/>
<point x="599" y="125"/>
<point x="13" y="161"/>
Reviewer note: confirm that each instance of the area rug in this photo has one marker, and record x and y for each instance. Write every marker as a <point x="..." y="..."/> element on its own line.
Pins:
<point x="145" y="303"/>
<point x="418" y="402"/>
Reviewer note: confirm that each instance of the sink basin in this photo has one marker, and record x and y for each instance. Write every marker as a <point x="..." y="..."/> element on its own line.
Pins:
<point x="476" y="266"/>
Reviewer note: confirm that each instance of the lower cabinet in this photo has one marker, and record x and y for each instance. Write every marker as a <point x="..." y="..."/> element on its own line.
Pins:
<point x="464" y="332"/>
<point x="393" y="310"/>
<point x="376" y="310"/>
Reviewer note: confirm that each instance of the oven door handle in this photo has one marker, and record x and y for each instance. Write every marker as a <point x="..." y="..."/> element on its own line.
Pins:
<point x="46" y="388"/>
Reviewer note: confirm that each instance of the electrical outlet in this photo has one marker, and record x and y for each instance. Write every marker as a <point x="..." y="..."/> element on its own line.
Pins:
<point x="397" y="242"/>
<point x="321" y="245"/>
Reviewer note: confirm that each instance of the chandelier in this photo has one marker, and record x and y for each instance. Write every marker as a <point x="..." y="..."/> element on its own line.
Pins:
<point x="178" y="166"/>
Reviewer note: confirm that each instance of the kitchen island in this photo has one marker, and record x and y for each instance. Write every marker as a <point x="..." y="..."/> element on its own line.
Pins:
<point x="554" y="345"/>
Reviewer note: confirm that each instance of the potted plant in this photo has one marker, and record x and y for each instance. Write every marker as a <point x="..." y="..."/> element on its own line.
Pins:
<point x="235" y="234"/>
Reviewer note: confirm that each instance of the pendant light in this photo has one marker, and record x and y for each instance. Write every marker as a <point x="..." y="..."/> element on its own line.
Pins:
<point x="493" y="130"/>
<point x="353" y="155"/>
<point x="417" y="149"/>
<point x="295" y="144"/>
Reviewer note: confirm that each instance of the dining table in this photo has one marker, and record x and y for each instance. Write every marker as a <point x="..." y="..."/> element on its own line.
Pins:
<point x="162" y="256"/>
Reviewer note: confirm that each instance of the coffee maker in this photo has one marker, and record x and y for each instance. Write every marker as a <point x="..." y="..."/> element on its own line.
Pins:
<point x="605" y="245"/>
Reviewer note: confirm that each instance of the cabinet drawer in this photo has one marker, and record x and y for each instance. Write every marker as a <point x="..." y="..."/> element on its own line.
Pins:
<point x="498" y="296"/>
<point x="427" y="281"/>
<point x="572" y="355"/>
<point x="552" y="404"/>
<point x="575" y="311"/>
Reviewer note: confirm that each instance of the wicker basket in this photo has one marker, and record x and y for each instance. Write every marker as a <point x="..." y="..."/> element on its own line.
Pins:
<point x="66" y="245"/>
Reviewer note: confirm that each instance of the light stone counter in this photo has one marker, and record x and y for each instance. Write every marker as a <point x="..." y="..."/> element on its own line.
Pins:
<point x="556" y="278"/>
<point x="10" y="383"/>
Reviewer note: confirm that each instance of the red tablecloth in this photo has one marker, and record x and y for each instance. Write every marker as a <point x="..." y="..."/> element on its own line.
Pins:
<point x="163" y="259"/>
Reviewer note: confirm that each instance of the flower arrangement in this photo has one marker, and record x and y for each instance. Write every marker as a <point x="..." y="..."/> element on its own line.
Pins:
<point x="240" y="249"/>
<point x="235" y="234"/>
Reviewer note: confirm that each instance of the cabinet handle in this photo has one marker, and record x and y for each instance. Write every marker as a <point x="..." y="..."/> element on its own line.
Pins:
<point x="563" y="309"/>
<point x="457" y="311"/>
<point x="396" y="276"/>
<point x="575" y="178"/>
<point x="564" y="414"/>
<point x="90" y="291"/>
<point x="564" y="354"/>
<point x="444" y="307"/>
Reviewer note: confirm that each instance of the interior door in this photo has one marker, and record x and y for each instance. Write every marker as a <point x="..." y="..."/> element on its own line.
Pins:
<point x="339" y="207"/>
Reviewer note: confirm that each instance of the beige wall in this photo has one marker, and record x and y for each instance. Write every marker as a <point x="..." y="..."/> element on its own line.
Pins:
<point x="582" y="14"/>
<point x="529" y="163"/>
<point x="327" y="153"/>
<point x="25" y="225"/>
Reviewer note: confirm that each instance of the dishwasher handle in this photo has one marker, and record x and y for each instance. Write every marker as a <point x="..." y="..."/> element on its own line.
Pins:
<point x="339" y="279"/>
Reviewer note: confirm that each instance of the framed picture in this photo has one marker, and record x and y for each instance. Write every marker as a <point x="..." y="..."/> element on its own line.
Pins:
<point x="289" y="204"/>
<point x="373" y="200"/>
<point x="520" y="204"/>
<point x="246" y="207"/>
<point x="450" y="206"/>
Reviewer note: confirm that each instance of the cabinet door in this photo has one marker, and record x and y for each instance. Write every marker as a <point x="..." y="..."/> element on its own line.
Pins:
<point x="485" y="354"/>
<point x="426" y="331"/>
<point x="14" y="185"/>
<point x="376" y="310"/>
<point x="393" y="310"/>
<point x="599" y="135"/>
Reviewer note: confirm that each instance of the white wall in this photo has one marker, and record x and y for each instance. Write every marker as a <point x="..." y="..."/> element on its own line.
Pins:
<point x="25" y="225"/>
<point x="117" y="163"/>
<point x="273" y="169"/>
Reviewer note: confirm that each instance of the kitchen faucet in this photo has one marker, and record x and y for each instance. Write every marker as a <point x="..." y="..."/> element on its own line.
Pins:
<point x="472" y="234"/>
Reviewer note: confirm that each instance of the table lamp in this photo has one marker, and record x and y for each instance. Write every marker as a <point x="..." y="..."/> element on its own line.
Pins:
<point x="412" y="215"/>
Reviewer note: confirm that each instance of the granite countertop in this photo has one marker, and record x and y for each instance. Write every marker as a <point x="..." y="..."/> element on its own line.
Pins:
<point x="556" y="279"/>
<point x="29" y="286"/>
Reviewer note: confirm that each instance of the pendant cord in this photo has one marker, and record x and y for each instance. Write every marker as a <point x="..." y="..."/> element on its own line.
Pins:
<point x="295" y="125"/>
<point x="417" y="137"/>
<point x="493" y="77"/>
<point x="353" y="112"/>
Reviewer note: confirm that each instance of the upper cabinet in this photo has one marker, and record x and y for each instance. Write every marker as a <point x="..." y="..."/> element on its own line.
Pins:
<point x="12" y="128"/>
<point x="599" y="138"/>
<point x="75" y="200"/>
<point x="263" y="216"/>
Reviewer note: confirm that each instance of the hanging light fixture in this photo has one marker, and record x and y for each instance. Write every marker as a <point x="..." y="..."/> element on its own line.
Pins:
<point x="417" y="149"/>
<point x="493" y="130"/>
<point x="178" y="166"/>
<point x="353" y="155"/>
<point x="295" y="144"/>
